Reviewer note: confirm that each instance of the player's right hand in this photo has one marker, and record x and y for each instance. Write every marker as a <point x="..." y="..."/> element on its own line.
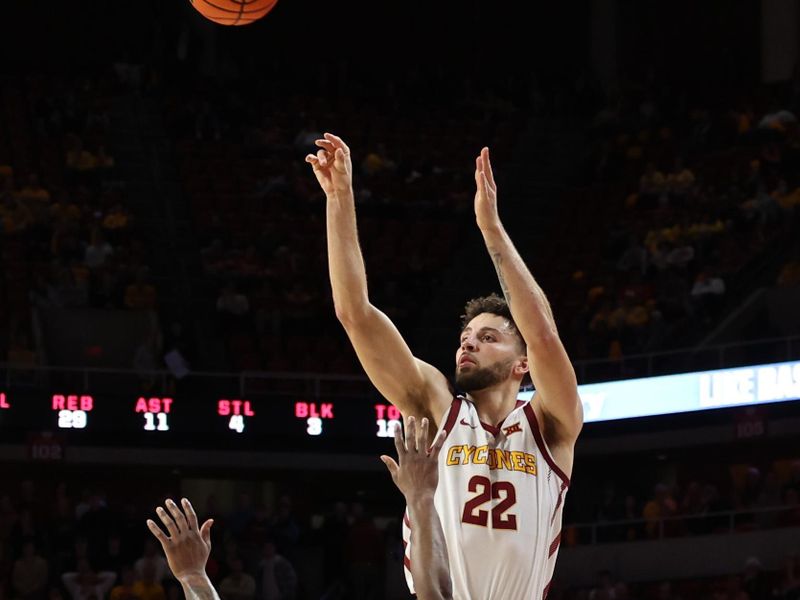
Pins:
<point x="332" y="165"/>
<point x="417" y="473"/>
<point x="187" y="547"/>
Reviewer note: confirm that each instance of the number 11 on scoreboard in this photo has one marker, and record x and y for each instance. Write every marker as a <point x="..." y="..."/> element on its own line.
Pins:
<point x="155" y="411"/>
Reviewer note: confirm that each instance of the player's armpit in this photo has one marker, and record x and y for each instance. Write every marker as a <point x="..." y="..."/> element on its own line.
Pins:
<point x="412" y="385"/>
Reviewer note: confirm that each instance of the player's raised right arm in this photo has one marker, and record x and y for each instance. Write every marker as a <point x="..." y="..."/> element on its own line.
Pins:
<point x="412" y="385"/>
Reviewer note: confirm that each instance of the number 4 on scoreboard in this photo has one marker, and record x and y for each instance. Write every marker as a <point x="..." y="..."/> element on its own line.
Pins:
<point x="236" y="423"/>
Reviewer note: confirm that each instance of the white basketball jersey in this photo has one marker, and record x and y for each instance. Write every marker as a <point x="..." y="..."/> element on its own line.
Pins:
<point x="500" y="500"/>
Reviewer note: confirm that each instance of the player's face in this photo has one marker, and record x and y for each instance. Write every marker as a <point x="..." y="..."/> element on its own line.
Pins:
<point x="487" y="354"/>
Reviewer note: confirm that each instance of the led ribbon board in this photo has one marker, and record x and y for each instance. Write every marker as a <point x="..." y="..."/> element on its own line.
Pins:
<point x="687" y="392"/>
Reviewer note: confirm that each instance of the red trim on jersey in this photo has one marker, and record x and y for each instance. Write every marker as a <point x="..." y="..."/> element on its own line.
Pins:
<point x="407" y="562"/>
<point x="490" y="428"/>
<point x="554" y="545"/>
<point x="406" y="520"/>
<point x="496" y="430"/>
<point x="537" y="434"/>
<point x="547" y="589"/>
<point x="558" y="503"/>
<point x="455" y="408"/>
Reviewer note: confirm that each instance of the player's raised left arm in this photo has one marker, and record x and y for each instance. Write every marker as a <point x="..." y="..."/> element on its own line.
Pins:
<point x="550" y="367"/>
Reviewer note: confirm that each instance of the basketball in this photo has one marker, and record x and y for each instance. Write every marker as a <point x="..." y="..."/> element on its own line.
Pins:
<point x="233" y="12"/>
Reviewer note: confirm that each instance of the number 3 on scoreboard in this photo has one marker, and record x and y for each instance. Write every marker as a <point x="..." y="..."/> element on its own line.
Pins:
<point x="488" y="491"/>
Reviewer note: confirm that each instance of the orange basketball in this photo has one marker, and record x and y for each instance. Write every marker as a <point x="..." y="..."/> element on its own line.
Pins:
<point x="233" y="12"/>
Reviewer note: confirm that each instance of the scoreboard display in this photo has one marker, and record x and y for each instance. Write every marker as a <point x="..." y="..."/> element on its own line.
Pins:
<point x="199" y="420"/>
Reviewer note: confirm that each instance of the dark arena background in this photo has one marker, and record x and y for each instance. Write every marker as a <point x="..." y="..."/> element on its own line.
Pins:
<point x="166" y="320"/>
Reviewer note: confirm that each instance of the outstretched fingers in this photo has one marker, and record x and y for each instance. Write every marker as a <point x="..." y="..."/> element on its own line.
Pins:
<point x="191" y="516"/>
<point x="168" y="522"/>
<point x="487" y="166"/>
<point x="411" y="434"/>
<point x="422" y="441"/>
<point x="156" y="531"/>
<point x="337" y="142"/>
<point x="399" y="442"/>
<point x="438" y="443"/>
<point x="177" y="515"/>
<point x="391" y="465"/>
<point x="326" y="145"/>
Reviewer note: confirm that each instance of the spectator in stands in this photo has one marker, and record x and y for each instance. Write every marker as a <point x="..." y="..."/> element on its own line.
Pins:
<point x="790" y="517"/>
<point x="85" y="584"/>
<point x="707" y="294"/>
<point x="33" y="190"/>
<point x="116" y="219"/>
<point x="21" y="351"/>
<point x="754" y="581"/>
<point x="148" y="584"/>
<point x="241" y="517"/>
<point x="277" y="577"/>
<point x="734" y="589"/>
<point x="125" y="590"/>
<point x="68" y="290"/>
<point x="665" y="592"/>
<point x="605" y="588"/>
<point x="364" y="551"/>
<point x="30" y="574"/>
<point x="661" y="506"/>
<point x="285" y="530"/>
<point x="98" y="250"/>
<point x="78" y="159"/>
<point x="334" y="531"/>
<point x="652" y="186"/>
<point x="14" y="215"/>
<point x="151" y="559"/>
<point x="238" y="585"/>
<point x="680" y="180"/>
<point x="788" y="587"/>
<point x="113" y="559"/>
<point x="232" y="306"/>
<point x="794" y="478"/>
<point x="26" y="529"/>
<point x="790" y="274"/>
<point x="634" y="257"/>
<point x="140" y="295"/>
<point x="769" y="496"/>
<point x="95" y="523"/>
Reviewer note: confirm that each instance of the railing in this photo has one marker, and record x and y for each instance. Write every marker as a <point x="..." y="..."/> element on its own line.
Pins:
<point x="250" y="384"/>
<point x="720" y="356"/>
<point x="245" y="384"/>
<point x="716" y="523"/>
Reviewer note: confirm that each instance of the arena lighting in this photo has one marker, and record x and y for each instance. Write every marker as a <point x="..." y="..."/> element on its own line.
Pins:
<point x="687" y="392"/>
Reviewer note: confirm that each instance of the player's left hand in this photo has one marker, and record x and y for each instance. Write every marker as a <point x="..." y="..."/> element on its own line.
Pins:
<point x="187" y="546"/>
<point x="417" y="473"/>
<point x="486" y="192"/>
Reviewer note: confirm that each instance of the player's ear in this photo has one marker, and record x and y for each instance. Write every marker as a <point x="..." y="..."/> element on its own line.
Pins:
<point x="522" y="366"/>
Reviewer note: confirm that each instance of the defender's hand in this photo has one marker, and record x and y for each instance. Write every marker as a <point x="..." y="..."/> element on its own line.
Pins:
<point x="187" y="547"/>
<point x="417" y="473"/>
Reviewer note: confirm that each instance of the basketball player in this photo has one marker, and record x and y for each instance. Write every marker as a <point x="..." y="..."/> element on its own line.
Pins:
<point x="186" y="547"/>
<point x="416" y="474"/>
<point x="505" y="466"/>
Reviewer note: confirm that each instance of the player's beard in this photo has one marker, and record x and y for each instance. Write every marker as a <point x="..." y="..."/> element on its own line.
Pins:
<point x="484" y="377"/>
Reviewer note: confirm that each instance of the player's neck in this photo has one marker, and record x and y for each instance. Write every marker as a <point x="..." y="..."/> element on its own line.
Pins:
<point x="496" y="403"/>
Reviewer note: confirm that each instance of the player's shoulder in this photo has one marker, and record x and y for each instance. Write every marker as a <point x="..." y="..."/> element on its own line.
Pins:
<point x="438" y="392"/>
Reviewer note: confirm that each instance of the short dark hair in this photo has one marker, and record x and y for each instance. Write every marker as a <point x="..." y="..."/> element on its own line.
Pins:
<point x="494" y="305"/>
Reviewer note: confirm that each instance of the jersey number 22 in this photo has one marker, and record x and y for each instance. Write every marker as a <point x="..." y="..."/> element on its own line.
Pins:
<point x="486" y="492"/>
